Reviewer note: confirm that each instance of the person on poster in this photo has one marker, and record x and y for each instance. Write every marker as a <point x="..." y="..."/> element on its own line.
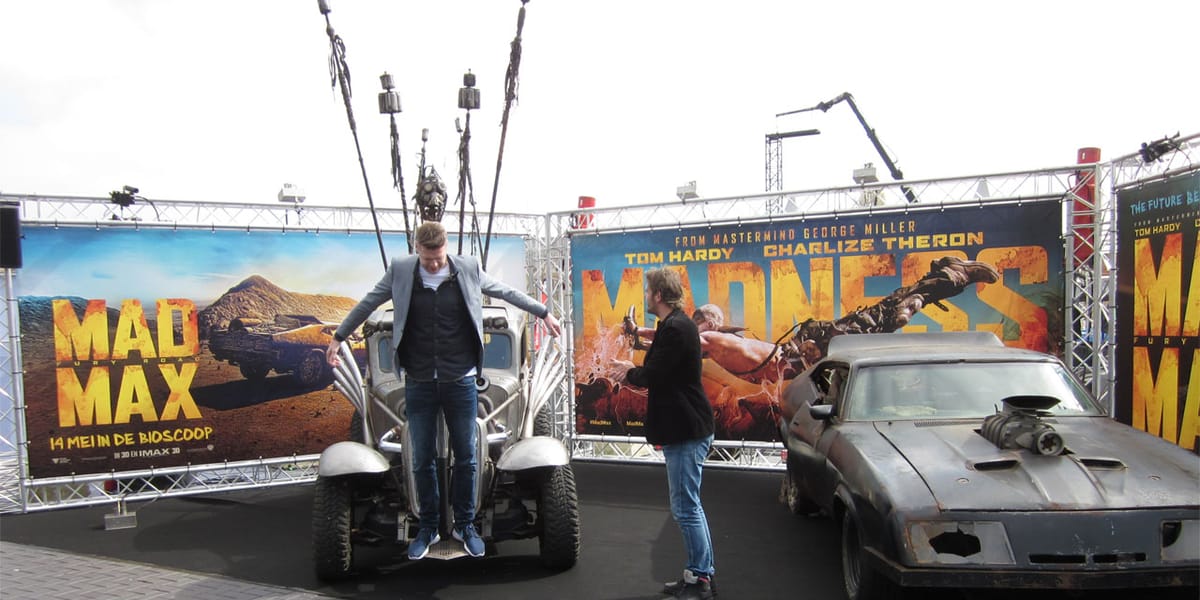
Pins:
<point x="680" y="419"/>
<point x="757" y="360"/>
<point x="750" y="359"/>
<point x="438" y="332"/>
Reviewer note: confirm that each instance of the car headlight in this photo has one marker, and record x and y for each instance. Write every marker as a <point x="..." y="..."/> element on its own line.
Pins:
<point x="1180" y="540"/>
<point x="960" y="543"/>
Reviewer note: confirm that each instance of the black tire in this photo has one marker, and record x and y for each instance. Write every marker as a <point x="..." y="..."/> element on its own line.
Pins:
<point x="793" y="493"/>
<point x="860" y="581"/>
<point x="332" y="521"/>
<point x="543" y="423"/>
<point x="312" y="369"/>
<point x="558" y="510"/>
<point x="254" y="372"/>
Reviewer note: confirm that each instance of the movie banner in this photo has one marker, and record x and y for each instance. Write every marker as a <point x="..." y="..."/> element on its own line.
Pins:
<point x="767" y="297"/>
<point x="1158" y="309"/>
<point x="160" y="348"/>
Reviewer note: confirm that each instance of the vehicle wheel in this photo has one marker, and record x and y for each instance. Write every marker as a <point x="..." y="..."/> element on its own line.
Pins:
<point x="861" y="582"/>
<point x="558" y="510"/>
<point x="311" y="370"/>
<point x="793" y="492"/>
<point x="332" y="520"/>
<point x="254" y="372"/>
<point x="543" y="423"/>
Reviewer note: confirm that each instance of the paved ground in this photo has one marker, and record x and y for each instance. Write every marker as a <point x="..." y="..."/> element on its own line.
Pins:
<point x="257" y="538"/>
<point x="33" y="572"/>
<point x="255" y="544"/>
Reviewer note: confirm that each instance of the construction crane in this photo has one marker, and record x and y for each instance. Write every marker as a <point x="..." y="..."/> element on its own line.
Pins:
<point x="887" y="160"/>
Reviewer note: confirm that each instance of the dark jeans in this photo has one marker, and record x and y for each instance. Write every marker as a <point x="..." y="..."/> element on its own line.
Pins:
<point x="458" y="401"/>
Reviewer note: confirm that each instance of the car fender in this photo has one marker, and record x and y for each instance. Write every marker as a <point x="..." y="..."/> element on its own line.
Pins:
<point x="530" y="453"/>
<point x="350" y="458"/>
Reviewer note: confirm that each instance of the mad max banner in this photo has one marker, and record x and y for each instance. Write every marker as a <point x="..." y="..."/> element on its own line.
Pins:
<point x="770" y="295"/>
<point x="162" y="348"/>
<point x="1158" y="309"/>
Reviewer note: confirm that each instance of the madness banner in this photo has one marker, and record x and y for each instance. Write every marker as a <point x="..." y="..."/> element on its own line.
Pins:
<point x="1158" y="309"/>
<point x="768" y="297"/>
<point x="162" y="348"/>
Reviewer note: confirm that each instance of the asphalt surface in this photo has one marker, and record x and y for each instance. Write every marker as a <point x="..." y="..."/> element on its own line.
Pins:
<point x="256" y="544"/>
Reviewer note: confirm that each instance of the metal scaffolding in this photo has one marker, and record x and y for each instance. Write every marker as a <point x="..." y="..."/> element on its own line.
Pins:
<point x="1089" y="303"/>
<point x="1090" y="299"/>
<point x="21" y="493"/>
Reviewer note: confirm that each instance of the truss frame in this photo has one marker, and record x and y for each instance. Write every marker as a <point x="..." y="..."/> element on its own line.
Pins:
<point x="1089" y="302"/>
<point x="21" y="493"/>
<point x="1090" y="286"/>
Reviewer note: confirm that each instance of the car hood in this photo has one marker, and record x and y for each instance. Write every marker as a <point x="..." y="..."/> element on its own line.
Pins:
<point x="1107" y="465"/>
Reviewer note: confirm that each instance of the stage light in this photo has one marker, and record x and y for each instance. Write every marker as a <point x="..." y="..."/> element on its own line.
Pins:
<point x="124" y="198"/>
<point x="865" y="175"/>
<point x="291" y="194"/>
<point x="686" y="192"/>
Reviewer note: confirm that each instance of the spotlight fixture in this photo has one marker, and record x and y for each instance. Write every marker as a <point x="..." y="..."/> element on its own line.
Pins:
<point x="686" y="192"/>
<point x="291" y="194"/>
<point x="124" y="198"/>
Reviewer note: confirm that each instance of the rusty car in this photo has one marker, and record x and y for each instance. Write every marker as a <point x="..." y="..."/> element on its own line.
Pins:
<point x="288" y="344"/>
<point x="952" y="460"/>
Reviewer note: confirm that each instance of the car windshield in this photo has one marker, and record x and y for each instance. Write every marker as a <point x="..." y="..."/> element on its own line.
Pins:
<point x="497" y="351"/>
<point x="959" y="390"/>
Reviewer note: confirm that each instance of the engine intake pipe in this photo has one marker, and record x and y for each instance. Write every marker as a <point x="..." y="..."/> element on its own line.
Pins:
<point x="1019" y="425"/>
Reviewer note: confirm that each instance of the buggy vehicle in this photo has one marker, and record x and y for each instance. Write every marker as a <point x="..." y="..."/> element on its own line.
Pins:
<point x="290" y="344"/>
<point x="952" y="460"/>
<point x="525" y="487"/>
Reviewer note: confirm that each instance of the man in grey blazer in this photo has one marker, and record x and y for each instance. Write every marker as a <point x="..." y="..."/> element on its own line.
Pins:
<point x="437" y="326"/>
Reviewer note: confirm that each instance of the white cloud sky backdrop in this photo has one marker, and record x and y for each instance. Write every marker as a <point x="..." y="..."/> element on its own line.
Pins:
<point x="622" y="101"/>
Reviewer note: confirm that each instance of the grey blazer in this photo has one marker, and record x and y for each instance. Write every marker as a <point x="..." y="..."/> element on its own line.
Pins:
<point x="397" y="283"/>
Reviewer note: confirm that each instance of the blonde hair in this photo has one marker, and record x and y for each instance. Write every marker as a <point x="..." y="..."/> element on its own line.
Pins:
<point x="431" y="235"/>
<point x="709" y="313"/>
<point x="668" y="284"/>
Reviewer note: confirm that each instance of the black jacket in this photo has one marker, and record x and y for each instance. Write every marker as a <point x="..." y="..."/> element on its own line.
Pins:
<point x="677" y="410"/>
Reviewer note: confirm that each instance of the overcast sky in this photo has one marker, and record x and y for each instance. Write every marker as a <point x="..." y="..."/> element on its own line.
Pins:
<point x="226" y="101"/>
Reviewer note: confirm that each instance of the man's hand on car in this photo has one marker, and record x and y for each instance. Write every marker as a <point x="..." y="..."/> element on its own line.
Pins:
<point x="331" y="353"/>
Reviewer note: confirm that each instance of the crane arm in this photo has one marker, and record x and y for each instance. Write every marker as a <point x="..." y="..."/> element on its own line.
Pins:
<point x="887" y="160"/>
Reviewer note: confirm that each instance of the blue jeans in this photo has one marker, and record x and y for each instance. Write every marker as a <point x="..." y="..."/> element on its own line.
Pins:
<point x="685" y="462"/>
<point x="458" y="400"/>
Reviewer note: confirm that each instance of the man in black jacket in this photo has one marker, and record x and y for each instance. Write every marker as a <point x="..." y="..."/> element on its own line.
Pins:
<point x="680" y="419"/>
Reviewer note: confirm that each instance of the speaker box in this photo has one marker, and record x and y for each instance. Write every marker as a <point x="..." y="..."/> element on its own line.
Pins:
<point x="10" y="236"/>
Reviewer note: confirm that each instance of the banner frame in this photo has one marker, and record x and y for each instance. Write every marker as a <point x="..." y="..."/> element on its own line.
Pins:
<point x="1089" y="300"/>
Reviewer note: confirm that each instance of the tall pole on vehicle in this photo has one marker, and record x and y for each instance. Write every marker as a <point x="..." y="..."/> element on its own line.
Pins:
<point x="339" y="77"/>
<point x="510" y="94"/>
<point x="389" y="104"/>
<point x="468" y="99"/>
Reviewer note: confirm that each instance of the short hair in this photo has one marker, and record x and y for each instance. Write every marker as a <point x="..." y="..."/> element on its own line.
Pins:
<point x="709" y="313"/>
<point x="668" y="284"/>
<point x="431" y="235"/>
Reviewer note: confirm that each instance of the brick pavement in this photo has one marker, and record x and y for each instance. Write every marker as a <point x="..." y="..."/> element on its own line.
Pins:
<point x="32" y="572"/>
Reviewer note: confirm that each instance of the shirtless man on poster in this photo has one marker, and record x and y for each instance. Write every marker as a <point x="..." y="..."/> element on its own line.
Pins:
<point x="742" y="375"/>
<point x="758" y="360"/>
<point x="750" y="359"/>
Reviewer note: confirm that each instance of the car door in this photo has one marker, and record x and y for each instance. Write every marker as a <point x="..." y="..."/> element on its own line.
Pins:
<point x="832" y="379"/>
<point x="817" y="435"/>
